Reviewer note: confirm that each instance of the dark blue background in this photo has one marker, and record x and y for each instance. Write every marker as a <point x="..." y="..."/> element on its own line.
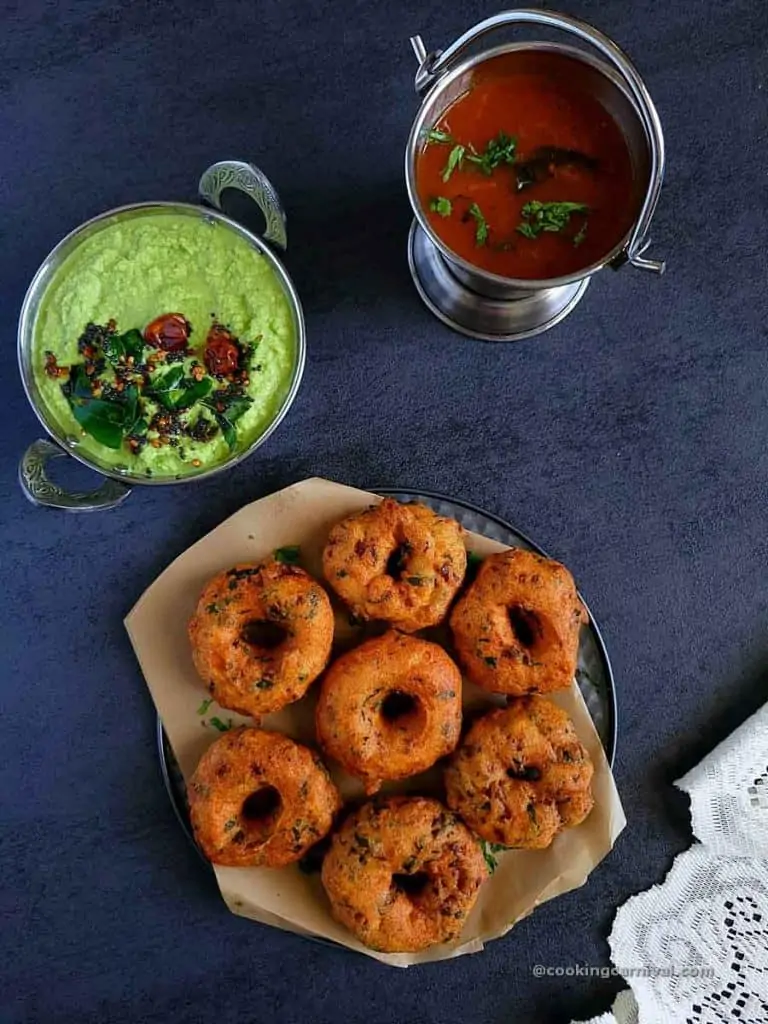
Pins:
<point x="630" y="442"/>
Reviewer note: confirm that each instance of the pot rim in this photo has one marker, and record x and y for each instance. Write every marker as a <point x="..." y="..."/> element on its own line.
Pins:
<point x="26" y="329"/>
<point x="411" y="150"/>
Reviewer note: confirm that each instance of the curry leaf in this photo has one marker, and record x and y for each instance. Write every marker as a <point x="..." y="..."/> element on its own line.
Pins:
<point x="228" y="408"/>
<point x="114" y="349"/>
<point x="169" y="380"/>
<point x="237" y="406"/>
<point x="131" y="400"/>
<point x="193" y="393"/>
<point x="173" y="392"/>
<point x="164" y="384"/>
<point x="228" y="431"/>
<point x="118" y="347"/>
<point x="133" y="343"/>
<point x="79" y="383"/>
<point x="105" y="421"/>
<point x="223" y="403"/>
<point x="139" y="428"/>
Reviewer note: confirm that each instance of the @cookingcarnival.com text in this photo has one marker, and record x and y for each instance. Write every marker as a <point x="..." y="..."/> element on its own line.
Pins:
<point x="599" y="971"/>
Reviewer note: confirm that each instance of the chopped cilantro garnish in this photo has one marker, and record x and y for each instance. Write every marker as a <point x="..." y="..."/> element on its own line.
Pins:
<point x="455" y="159"/>
<point x="489" y="849"/>
<point x="441" y="206"/>
<point x="481" y="224"/>
<point x="551" y="217"/>
<point x="289" y="555"/>
<point x="217" y="723"/>
<point x="499" y="150"/>
<point x="434" y="135"/>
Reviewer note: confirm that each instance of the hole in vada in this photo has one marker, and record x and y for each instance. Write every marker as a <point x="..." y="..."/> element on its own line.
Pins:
<point x="412" y="885"/>
<point x="260" y="811"/>
<point x="396" y="561"/>
<point x="525" y="625"/>
<point x="397" y="705"/>
<point x="260" y="633"/>
<point x="524" y="773"/>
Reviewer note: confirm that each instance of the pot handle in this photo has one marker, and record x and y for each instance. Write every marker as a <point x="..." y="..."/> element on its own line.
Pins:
<point x="254" y="183"/>
<point x="41" y="491"/>
<point x="434" y="64"/>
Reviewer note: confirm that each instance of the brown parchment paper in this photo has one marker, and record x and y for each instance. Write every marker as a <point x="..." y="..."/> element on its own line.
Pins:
<point x="287" y="898"/>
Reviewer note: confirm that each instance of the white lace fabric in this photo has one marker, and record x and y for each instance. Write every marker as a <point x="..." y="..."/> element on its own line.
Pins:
<point x="694" y="949"/>
<point x="729" y="793"/>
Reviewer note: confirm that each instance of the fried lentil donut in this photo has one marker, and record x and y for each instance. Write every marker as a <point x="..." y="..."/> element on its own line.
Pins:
<point x="403" y="874"/>
<point x="516" y="629"/>
<point x="521" y="775"/>
<point x="257" y="799"/>
<point x="389" y="708"/>
<point x="401" y="564"/>
<point x="261" y="635"/>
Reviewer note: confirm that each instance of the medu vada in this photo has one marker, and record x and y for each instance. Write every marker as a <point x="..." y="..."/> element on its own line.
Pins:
<point x="389" y="708"/>
<point x="400" y="564"/>
<point x="261" y="635"/>
<point x="403" y="874"/>
<point x="258" y="799"/>
<point x="516" y="629"/>
<point x="521" y="775"/>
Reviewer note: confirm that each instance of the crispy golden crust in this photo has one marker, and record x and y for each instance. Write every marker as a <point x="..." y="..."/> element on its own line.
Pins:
<point x="403" y="874"/>
<point x="521" y="775"/>
<point x="389" y="708"/>
<point x="401" y="564"/>
<point x="260" y="636"/>
<point x="258" y="799"/>
<point x="516" y="630"/>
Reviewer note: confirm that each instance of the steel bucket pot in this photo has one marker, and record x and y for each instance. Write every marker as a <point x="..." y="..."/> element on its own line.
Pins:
<point x="35" y="483"/>
<point x="485" y="305"/>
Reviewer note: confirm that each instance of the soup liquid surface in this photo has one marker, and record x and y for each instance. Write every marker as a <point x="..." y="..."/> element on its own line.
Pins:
<point x="540" y="101"/>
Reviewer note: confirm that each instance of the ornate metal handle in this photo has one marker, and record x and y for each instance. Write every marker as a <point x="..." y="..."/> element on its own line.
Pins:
<point x="254" y="183"/>
<point x="40" y="490"/>
<point x="434" y="64"/>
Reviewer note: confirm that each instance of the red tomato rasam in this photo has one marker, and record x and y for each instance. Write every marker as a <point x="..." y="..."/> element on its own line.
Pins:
<point x="526" y="174"/>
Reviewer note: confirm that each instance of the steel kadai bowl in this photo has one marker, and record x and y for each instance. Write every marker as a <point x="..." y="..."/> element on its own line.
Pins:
<point x="118" y="482"/>
<point x="475" y="301"/>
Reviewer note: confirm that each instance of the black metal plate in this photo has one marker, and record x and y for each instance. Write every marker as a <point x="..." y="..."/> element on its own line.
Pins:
<point x="593" y="674"/>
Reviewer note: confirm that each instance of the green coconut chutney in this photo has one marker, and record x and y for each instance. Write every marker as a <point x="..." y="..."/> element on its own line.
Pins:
<point x="134" y="270"/>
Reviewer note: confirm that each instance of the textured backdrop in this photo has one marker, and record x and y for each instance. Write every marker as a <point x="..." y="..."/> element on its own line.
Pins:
<point x="629" y="441"/>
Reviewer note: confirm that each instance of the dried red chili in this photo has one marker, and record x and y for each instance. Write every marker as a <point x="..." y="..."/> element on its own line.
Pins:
<point x="52" y="369"/>
<point x="222" y="354"/>
<point x="169" y="332"/>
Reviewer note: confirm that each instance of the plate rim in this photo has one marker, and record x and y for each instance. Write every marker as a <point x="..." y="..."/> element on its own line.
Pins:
<point x="388" y="491"/>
